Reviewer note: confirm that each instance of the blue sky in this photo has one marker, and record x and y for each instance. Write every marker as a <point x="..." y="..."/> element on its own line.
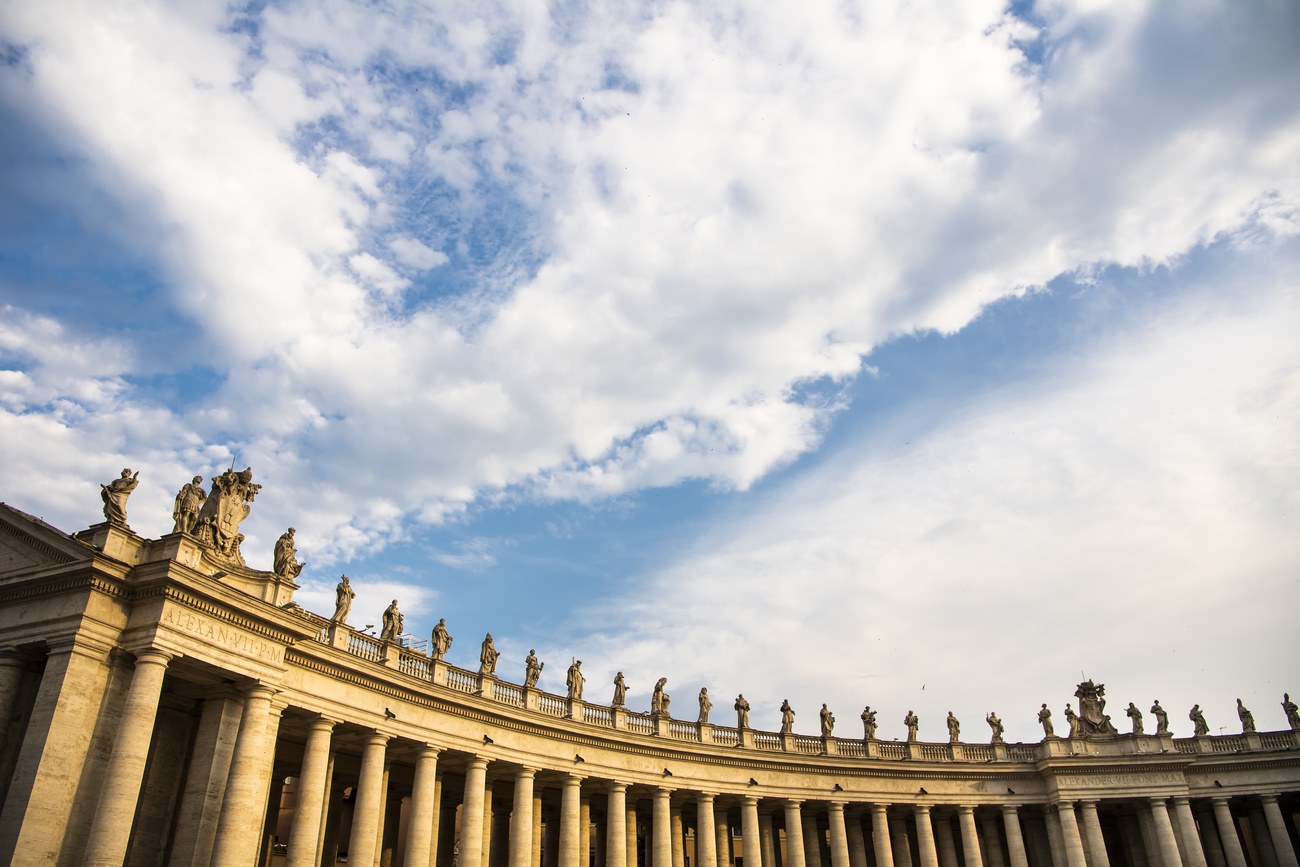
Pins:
<point x="914" y="354"/>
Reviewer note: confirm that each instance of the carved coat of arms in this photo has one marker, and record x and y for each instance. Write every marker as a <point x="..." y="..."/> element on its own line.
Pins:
<point x="224" y="509"/>
<point x="1093" y="719"/>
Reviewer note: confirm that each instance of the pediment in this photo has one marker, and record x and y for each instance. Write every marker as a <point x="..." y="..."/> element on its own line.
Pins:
<point x="28" y="544"/>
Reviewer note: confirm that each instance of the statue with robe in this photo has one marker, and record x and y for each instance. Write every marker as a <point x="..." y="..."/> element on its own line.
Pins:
<point x="913" y="725"/>
<point x="787" y="717"/>
<point x="1045" y="717"/>
<point x="487" y="657"/>
<point x="1200" y="726"/>
<point x="343" y="596"/>
<point x="286" y="557"/>
<point x="1136" y="715"/>
<point x="996" y="725"/>
<point x="828" y="721"/>
<point x="1247" y="718"/>
<point x="1292" y="712"/>
<point x="1162" y="718"/>
<point x="705" y="705"/>
<point x="441" y="639"/>
<point x="1073" y="719"/>
<point x="742" y="712"/>
<point x="620" y="691"/>
<point x="659" y="699"/>
<point x="954" y="729"/>
<point x="532" y="669"/>
<point x="114" y="495"/>
<point x="185" y="514"/>
<point x="575" y="679"/>
<point x="868" y="723"/>
<point x="392" y="623"/>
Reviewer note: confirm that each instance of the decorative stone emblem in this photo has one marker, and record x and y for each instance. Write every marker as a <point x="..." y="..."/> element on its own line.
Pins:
<point x="1093" y="720"/>
<point x="223" y="511"/>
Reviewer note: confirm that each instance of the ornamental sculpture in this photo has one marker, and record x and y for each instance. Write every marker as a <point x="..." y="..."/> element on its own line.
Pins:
<point x="868" y="723"/>
<point x="1045" y="717"/>
<point x="343" y="596"/>
<point x="913" y="726"/>
<point x="954" y="729"/>
<point x="114" y="495"/>
<point x="286" y="562"/>
<point x="1292" y="712"/>
<point x="441" y="640"/>
<point x="1247" y="718"/>
<point x="659" y="700"/>
<point x="742" y="712"/>
<point x="1199" y="726"/>
<point x="705" y="705"/>
<point x="185" y="514"/>
<point x="575" y="679"/>
<point x="532" y="670"/>
<point x="996" y="725"/>
<point x="787" y="717"/>
<point x="223" y="511"/>
<point x="1136" y="715"/>
<point x="487" y="657"/>
<point x="1162" y="718"/>
<point x="620" y="691"/>
<point x="1073" y="719"/>
<point x="392" y="623"/>
<point x="828" y="721"/>
<point x="1093" y="719"/>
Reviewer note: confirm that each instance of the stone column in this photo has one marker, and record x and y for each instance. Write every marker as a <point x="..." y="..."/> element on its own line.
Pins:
<point x="616" y="826"/>
<point x="367" y="803"/>
<point x="993" y="844"/>
<point x="1259" y="831"/>
<point x="632" y="858"/>
<point x="898" y="837"/>
<point x="304" y="836"/>
<point x="1277" y="830"/>
<point x="1164" y="833"/>
<point x="1056" y="837"/>
<point x="331" y="795"/>
<point x="767" y="837"/>
<point x="794" y="849"/>
<point x="943" y="837"/>
<point x="838" y="833"/>
<point x="706" y="843"/>
<point x="1210" y="837"/>
<point x="1191" y="840"/>
<point x="471" y="813"/>
<point x="536" y="859"/>
<point x="812" y="840"/>
<point x="521" y="819"/>
<point x="880" y="836"/>
<point x="970" y="838"/>
<point x="1092" y="828"/>
<point x="1150" y="841"/>
<point x="420" y="832"/>
<point x="111" y="830"/>
<point x="1015" y="840"/>
<point x="205" y="781"/>
<point x="925" y="836"/>
<point x="662" y="823"/>
<point x="721" y="837"/>
<point x="858" y="841"/>
<point x="1074" y="855"/>
<point x="239" y="829"/>
<point x="678" y="834"/>
<point x="749" y="836"/>
<point x="13" y="671"/>
<point x="570" y="818"/>
<point x="584" y="831"/>
<point x="489" y="806"/>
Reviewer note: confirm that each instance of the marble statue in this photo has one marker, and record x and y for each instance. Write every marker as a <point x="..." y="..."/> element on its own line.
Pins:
<point x="532" y="669"/>
<point x="487" y="657"/>
<point x="1093" y="719"/>
<point x="1162" y="718"/>
<point x="343" y="596"/>
<point x="742" y="712"/>
<point x="1247" y="718"/>
<point x="1292" y="712"/>
<point x="620" y="691"/>
<point x="1045" y="717"/>
<point x="575" y="679"/>
<point x="1136" y="715"/>
<point x="954" y="729"/>
<point x="659" y="700"/>
<point x="1200" y="727"/>
<point x="913" y="725"/>
<point x="705" y="705"/>
<point x="441" y="640"/>
<point x="996" y="725"/>
<point x="189" y="501"/>
<point x="828" y="721"/>
<point x="392" y="623"/>
<point x="114" y="495"/>
<point x="223" y="510"/>
<point x="286" y="557"/>
<point x="868" y="723"/>
<point x="1073" y="719"/>
<point x="787" y="717"/>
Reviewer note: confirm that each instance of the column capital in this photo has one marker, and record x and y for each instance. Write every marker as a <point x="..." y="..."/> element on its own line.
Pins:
<point x="573" y="780"/>
<point x="377" y="738"/>
<point x="967" y="808"/>
<point x="1220" y="799"/>
<point x="524" y="772"/>
<point x="1179" y="800"/>
<point x="1268" y="798"/>
<point x="428" y="751"/>
<point x="751" y="800"/>
<point x="616" y="787"/>
<point x="322" y="723"/>
<point x="479" y="762"/>
<point x="921" y="808"/>
<point x="792" y="802"/>
<point x="1154" y="800"/>
<point x="153" y="656"/>
<point x="663" y="793"/>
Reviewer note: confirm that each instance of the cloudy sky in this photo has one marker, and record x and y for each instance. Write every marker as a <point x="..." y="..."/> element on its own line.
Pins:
<point x="927" y="355"/>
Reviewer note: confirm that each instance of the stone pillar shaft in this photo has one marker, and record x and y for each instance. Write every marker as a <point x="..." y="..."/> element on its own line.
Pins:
<point x="970" y="838"/>
<point x="858" y="841"/>
<point x="880" y="836"/>
<point x="1277" y="830"/>
<point x="471" y="813"/>
<point x="678" y="834"/>
<point x="1015" y="839"/>
<point x="812" y="841"/>
<point x="943" y="838"/>
<point x="111" y="830"/>
<point x="521" y="819"/>
<point x="1092" y="828"/>
<point x="706" y="843"/>
<point x="767" y="836"/>
<point x="423" y="809"/>
<point x="1191" y="840"/>
<point x="243" y="805"/>
<point x="722" y="837"/>
<point x="1165" y="834"/>
<point x="749" y="835"/>
<point x="367" y="809"/>
<point x="794" y="848"/>
<point x="929" y="854"/>
<point x="662" y="835"/>
<point x="1074" y="856"/>
<point x="616" y="826"/>
<point x="205" y="782"/>
<point x="632" y="858"/>
<point x="570" y="818"/>
<point x="305" y="833"/>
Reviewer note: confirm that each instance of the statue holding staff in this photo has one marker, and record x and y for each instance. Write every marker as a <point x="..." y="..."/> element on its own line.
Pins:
<point x="343" y="596"/>
<point x="575" y="680"/>
<point x="114" y="495"/>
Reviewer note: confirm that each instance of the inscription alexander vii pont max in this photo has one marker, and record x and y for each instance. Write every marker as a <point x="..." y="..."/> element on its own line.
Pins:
<point x="227" y="637"/>
<point x="1099" y="781"/>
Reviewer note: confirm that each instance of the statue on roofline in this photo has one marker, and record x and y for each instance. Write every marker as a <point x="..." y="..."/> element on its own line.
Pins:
<point x="705" y="705"/>
<point x="441" y="641"/>
<point x="114" y="495"/>
<point x="343" y="596"/>
<point x="575" y="680"/>
<point x="1162" y="718"/>
<point x="954" y="729"/>
<point x="532" y="669"/>
<point x="1045" y="717"/>
<point x="286" y="562"/>
<point x="488" y="656"/>
<point x="868" y="723"/>
<point x="392" y="623"/>
<point x="996" y="725"/>
<point x="185" y="514"/>
<point x="742" y="712"/>
<point x="828" y="721"/>
<point x="787" y="717"/>
<point x="620" y="691"/>
<point x="1136" y="715"/>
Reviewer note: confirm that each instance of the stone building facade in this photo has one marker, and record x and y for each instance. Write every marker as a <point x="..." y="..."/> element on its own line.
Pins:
<point x="163" y="704"/>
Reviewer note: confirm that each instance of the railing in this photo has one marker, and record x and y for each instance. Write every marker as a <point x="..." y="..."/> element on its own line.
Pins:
<point x="640" y="724"/>
<point x="324" y="635"/>
<point x="1227" y="743"/>
<point x="728" y="737"/>
<point x="854" y="749"/>
<point x="597" y="715"/>
<point x="978" y="752"/>
<point x="807" y="744"/>
<point x="508" y="693"/>
<point x="414" y="665"/>
<point x="1022" y="752"/>
<point x="935" y="752"/>
<point x="1186" y="745"/>
<point x="552" y="704"/>
<point x="763" y="740"/>
<point x="1277" y="740"/>
<point x="458" y="678"/>
<point x="893" y="750"/>
<point x="365" y="647"/>
<point x="684" y="731"/>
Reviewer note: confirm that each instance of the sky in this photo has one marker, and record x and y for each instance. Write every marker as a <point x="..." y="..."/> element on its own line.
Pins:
<point x="922" y="355"/>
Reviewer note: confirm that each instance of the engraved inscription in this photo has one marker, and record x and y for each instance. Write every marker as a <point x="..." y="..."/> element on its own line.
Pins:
<point x="225" y="636"/>
<point x="1118" y="780"/>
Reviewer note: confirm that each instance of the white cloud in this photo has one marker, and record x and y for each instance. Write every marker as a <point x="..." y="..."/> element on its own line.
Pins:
<point x="1129" y="514"/>
<point x="414" y="254"/>
<point x="728" y="203"/>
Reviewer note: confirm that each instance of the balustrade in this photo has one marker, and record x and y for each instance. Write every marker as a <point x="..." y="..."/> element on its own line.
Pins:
<point x="729" y="737"/>
<point x="762" y="740"/>
<point x="1186" y="745"/>
<point x="853" y="749"/>
<point x="978" y="752"/>
<point x="685" y="731"/>
<point x="1227" y="743"/>
<point x="365" y="647"/>
<point x="508" y="693"/>
<point x="807" y="744"/>
<point x="935" y="752"/>
<point x="597" y="715"/>
<point x="640" y="723"/>
<point x="459" y="679"/>
<point x="552" y="704"/>
<point x="1022" y="752"/>
<point x="893" y="750"/>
